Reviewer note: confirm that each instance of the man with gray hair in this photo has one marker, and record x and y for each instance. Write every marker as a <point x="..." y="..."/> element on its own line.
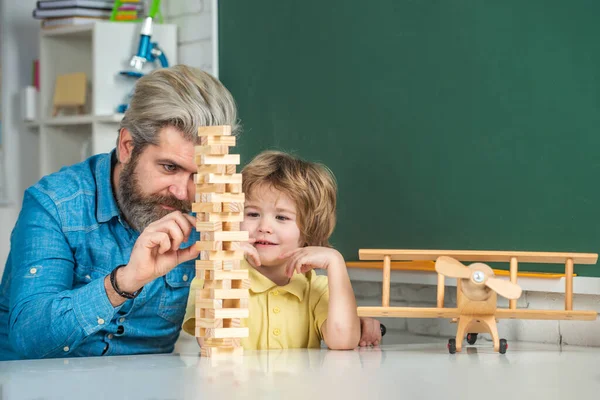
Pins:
<point x="101" y="255"/>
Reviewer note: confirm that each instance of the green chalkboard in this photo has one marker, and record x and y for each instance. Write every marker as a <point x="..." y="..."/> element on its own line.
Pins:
<point x="449" y="124"/>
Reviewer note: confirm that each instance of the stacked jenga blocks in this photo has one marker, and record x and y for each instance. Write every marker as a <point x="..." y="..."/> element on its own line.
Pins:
<point x="219" y="209"/>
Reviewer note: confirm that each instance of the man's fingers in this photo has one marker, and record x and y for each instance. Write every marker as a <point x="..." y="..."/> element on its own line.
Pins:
<point x="187" y="254"/>
<point x="158" y="239"/>
<point x="174" y="229"/>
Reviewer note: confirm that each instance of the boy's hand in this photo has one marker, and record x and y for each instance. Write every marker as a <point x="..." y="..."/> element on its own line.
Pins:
<point x="250" y="252"/>
<point x="370" y="332"/>
<point x="312" y="257"/>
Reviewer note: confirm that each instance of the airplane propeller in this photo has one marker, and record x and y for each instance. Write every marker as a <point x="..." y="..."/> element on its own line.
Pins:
<point x="476" y="278"/>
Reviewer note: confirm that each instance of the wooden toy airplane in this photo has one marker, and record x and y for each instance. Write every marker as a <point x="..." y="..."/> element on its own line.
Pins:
<point x="476" y="290"/>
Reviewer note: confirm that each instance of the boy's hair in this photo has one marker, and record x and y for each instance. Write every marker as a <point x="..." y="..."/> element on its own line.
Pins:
<point x="179" y="96"/>
<point x="311" y="186"/>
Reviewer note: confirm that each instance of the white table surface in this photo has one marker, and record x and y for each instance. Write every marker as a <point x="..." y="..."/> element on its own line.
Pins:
<point x="419" y="369"/>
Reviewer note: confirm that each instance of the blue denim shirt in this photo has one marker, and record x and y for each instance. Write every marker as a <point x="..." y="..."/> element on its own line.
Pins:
<point x="69" y="236"/>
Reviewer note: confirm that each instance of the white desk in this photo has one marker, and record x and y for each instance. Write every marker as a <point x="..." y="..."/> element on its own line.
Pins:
<point x="407" y="371"/>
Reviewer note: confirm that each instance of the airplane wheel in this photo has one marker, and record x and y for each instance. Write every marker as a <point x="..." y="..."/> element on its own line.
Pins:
<point x="503" y="346"/>
<point x="452" y="346"/>
<point x="471" y="338"/>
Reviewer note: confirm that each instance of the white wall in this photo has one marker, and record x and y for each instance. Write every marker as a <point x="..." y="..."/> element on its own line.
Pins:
<point x="196" y="20"/>
<point x="19" y="49"/>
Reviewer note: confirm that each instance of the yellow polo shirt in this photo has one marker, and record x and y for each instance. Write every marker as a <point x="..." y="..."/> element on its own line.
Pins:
<point x="281" y="317"/>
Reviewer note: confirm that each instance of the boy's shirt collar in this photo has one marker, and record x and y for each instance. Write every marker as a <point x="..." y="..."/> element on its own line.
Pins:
<point x="260" y="283"/>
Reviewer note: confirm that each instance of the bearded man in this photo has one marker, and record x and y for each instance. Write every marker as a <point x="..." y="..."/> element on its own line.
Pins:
<point x="101" y="255"/>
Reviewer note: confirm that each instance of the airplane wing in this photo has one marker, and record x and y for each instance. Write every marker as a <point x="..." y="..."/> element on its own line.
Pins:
<point x="408" y="312"/>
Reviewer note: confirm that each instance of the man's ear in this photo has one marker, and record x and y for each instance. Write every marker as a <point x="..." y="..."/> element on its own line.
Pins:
<point x="125" y="146"/>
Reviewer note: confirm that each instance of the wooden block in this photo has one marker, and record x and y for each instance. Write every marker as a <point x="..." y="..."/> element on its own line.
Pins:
<point x="226" y="236"/>
<point x="207" y="207"/>
<point x="209" y="226"/>
<point x="217" y="178"/>
<point x="232" y="322"/>
<point x="228" y="313"/>
<point x="240" y="284"/>
<point x="222" y="342"/>
<point x="222" y="255"/>
<point x="225" y="217"/>
<point x="220" y="198"/>
<point x="218" y="140"/>
<point x="221" y="351"/>
<point x="232" y="207"/>
<point x="233" y="188"/>
<point x="209" y="264"/>
<point x="222" y="332"/>
<point x="229" y="265"/>
<point x="231" y="245"/>
<point x="231" y="226"/>
<point x="236" y="303"/>
<point x="217" y="284"/>
<point x="212" y="188"/>
<point x="208" y="303"/>
<point x="202" y="245"/>
<point x="209" y="323"/>
<point x="216" y="130"/>
<point x="221" y="313"/>
<point x="215" y="149"/>
<point x="221" y="294"/>
<point x="213" y="169"/>
<point x="230" y="169"/>
<point x="227" y="159"/>
<point x="231" y="274"/>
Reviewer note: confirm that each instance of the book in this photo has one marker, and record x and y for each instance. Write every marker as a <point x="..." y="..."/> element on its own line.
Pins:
<point x="70" y="12"/>
<point x="68" y="21"/>
<point x="101" y="4"/>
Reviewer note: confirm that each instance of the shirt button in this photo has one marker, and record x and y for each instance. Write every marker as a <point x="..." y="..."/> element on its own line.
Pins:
<point x="33" y="270"/>
<point x="110" y="336"/>
<point x="122" y="319"/>
<point x="185" y="278"/>
<point x="66" y="348"/>
<point x="276" y="331"/>
<point x="100" y="321"/>
<point x="275" y="292"/>
<point x="88" y="277"/>
<point x="276" y="310"/>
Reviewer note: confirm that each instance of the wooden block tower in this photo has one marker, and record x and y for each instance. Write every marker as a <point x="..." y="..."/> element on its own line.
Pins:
<point x="219" y="209"/>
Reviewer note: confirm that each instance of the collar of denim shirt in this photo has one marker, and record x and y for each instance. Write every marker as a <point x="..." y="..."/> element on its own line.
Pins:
<point x="107" y="204"/>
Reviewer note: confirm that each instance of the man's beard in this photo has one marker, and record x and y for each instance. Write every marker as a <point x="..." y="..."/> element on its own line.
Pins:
<point x="141" y="210"/>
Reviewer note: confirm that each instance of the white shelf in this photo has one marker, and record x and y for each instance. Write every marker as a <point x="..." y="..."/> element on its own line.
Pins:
<point x="75" y="31"/>
<point x="100" y="50"/>
<point x="82" y="119"/>
<point x="32" y="124"/>
<point x="75" y="120"/>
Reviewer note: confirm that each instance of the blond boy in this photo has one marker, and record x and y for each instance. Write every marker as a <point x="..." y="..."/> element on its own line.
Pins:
<point x="290" y="215"/>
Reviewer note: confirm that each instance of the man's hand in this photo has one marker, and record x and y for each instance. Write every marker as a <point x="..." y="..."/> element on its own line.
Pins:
<point x="313" y="257"/>
<point x="157" y="251"/>
<point x="370" y="332"/>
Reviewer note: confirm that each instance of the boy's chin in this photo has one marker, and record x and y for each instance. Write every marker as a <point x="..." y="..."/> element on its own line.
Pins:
<point x="270" y="262"/>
